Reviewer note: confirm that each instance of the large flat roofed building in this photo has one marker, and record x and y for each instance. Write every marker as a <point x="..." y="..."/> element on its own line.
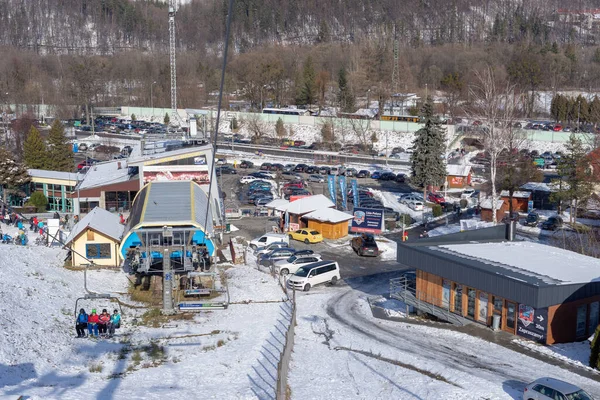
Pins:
<point x="540" y="292"/>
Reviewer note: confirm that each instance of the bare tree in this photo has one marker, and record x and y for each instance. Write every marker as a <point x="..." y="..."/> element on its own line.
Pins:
<point x="362" y="130"/>
<point x="256" y="128"/>
<point x="495" y="104"/>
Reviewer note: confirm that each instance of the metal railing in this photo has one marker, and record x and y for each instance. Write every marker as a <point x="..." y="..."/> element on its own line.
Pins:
<point x="401" y="289"/>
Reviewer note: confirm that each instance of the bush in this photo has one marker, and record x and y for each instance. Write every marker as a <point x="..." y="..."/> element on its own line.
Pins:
<point x="234" y="124"/>
<point x="405" y="219"/>
<point x="464" y="203"/>
<point x="167" y="119"/>
<point x="39" y="201"/>
<point x="133" y="118"/>
<point x="436" y="209"/>
<point x="594" y="359"/>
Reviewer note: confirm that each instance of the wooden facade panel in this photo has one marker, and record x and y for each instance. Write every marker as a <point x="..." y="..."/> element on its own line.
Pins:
<point x="429" y="287"/>
<point x="562" y="321"/>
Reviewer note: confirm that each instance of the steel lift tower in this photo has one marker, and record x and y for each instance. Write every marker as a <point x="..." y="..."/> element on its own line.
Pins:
<point x="172" y="60"/>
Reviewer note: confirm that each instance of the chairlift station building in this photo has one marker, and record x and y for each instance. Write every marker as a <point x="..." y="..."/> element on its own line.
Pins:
<point x="542" y="293"/>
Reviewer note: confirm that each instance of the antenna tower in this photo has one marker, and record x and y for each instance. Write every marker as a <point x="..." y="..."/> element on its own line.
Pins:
<point x="172" y="60"/>
<point x="395" y="70"/>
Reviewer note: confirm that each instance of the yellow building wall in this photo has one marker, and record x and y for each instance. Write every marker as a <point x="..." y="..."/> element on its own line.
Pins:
<point x="78" y="245"/>
<point x="66" y="182"/>
<point x="329" y="230"/>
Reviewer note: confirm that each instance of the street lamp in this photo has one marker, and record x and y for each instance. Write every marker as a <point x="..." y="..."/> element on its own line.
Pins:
<point x="152" y="98"/>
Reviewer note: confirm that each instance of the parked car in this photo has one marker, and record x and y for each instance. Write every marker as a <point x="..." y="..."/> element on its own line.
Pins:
<point x="532" y="219"/>
<point x="246" y="164"/>
<point x="300" y="167"/>
<point x="365" y="245"/>
<point x="288" y="167"/>
<point x="557" y="128"/>
<point x="270" y="247"/>
<point x="363" y="173"/>
<point x="265" y="166"/>
<point x="82" y="147"/>
<point x="267" y="239"/>
<point x="226" y="170"/>
<point x="553" y="223"/>
<point x="316" y="178"/>
<point x="324" y="170"/>
<point x="290" y="175"/>
<point x="311" y="169"/>
<point x="301" y="192"/>
<point x="282" y="253"/>
<point x="276" y="167"/>
<point x="467" y="193"/>
<point x="376" y="174"/>
<point x="401" y="178"/>
<point x="416" y="205"/>
<point x="407" y="198"/>
<point x="293" y="263"/>
<point x="307" y="236"/>
<point x="313" y="274"/>
<point x="435" y="198"/>
<point x="553" y="389"/>
<point x="263" y="201"/>
<point x="351" y="172"/>
<point x="387" y="176"/>
<point x="294" y="184"/>
<point x="512" y="217"/>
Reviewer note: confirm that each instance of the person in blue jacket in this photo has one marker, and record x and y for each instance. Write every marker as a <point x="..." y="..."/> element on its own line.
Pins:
<point x="81" y="323"/>
<point x="115" y="323"/>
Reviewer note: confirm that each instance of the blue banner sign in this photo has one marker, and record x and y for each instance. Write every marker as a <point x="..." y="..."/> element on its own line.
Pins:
<point x="343" y="188"/>
<point x="331" y="186"/>
<point x="355" y="193"/>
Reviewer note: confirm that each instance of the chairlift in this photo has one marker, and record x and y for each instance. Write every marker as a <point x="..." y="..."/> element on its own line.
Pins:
<point x="194" y="292"/>
<point x="94" y="296"/>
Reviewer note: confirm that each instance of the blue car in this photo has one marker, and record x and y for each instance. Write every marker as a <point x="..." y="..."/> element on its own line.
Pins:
<point x="376" y="174"/>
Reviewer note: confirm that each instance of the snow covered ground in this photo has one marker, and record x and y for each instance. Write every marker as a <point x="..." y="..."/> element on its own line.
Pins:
<point x="577" y="353"/>
<point x="224" y="354"/>
<point x="342" y="352"/>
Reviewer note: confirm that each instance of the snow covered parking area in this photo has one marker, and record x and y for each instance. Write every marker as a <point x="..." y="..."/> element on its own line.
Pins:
<point x="342" y="352"/>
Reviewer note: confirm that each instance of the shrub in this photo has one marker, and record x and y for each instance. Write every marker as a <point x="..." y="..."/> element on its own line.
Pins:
<point x="133" y="117"/>
<point x="167" y="119"/>
<point x="39" y="201"/>
<point x="594" y="359"/>
<point x="234" y="124"/>
<point x="464" y="203"/>
<point x="436" y="210"/>
<point x="405" y="219"/>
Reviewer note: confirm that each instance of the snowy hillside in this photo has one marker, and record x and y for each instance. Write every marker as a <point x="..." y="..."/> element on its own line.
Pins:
<point x="229" y="353"/>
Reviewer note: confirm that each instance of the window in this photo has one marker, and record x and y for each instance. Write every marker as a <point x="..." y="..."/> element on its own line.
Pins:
<point x="471" y="302"/>
<point x="594" y="308"/>
<point x="98" y="250"/>
<point x="446" y="285"/>
<point x="581" y="317"/>
<point x="498" y="305"/>
<point x="483" y="307"/>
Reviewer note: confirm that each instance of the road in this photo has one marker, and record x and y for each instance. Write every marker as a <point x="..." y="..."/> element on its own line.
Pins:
<point x="422" y="361"/>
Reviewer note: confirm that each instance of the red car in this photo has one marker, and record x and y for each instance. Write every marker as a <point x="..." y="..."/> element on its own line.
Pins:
<point x="84" y="164"/>
<point x="299" y="185"/>
<point x="435" y="198"/>
<point x="557" y="128"/>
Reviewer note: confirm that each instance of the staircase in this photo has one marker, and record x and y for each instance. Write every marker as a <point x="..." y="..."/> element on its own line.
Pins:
<point x="403" y="289"/>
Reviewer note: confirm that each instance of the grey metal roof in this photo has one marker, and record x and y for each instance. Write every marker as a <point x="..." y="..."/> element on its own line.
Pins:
<point x="42" y="173"/>
<point x="137" y="161"/>
<point x="172" y="203"/>
<point x="503" y="281"/>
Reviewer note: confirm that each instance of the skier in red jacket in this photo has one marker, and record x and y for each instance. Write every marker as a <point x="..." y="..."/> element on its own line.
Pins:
<point x="103" y="320"/>
<point x="93" y="323"/>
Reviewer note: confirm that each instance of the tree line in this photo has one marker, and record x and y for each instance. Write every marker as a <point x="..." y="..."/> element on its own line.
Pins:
<point x="568" y="109"/>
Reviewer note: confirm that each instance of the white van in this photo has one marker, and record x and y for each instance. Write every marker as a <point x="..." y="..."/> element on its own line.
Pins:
<point x="313" y="274"/>
<point x="267" y="239"/>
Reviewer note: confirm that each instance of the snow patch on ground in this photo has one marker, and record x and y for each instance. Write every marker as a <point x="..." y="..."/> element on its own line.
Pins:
<point x="577" y="353"/>
<point x="389" y="199"/>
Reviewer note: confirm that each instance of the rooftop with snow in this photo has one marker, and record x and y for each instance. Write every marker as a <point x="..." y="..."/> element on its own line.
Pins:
<point x="552" y="265"/>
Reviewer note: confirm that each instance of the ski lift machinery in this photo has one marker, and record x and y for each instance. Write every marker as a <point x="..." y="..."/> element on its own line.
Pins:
<point x="94" y="296"/>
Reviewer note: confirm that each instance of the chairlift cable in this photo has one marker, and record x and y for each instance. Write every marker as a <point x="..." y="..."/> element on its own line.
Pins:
<point x="223" y="67"/>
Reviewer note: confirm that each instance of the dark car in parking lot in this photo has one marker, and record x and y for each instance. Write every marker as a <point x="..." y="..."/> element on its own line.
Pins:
<point x="266" y="166"/>
<point x="553" y="223"/>
<point x="276" y="167"/>
<point x="324" y="170"/>
<point x="401" y="178"/>
<point x="300" y="167"/>
<point x="387" y="176"/>
<point x="363" y="173"/>
<point x="246" y="164"/>
<point x="226" y="169"/>
<point x="311" y="169"/>
<point x="365" y="245"/>
<point x="261" y="201"/>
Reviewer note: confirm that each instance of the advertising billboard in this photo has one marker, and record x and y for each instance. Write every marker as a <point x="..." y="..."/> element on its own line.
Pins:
<point x="367" y="220"/>
<point x="532" y="323"/>
<point x="163" y="173"/>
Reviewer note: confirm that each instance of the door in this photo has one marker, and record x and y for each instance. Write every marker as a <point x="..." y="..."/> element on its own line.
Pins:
<point x="471" y="293"/>
<point x="593" y="318"/>
<point x="458" y="292"/>
<point x="499" y="308"/>
<point x="581" y="317"/>
<point x="482" y="316"/>
<point x="510" y="317"/>
<point x="446" y="293"/>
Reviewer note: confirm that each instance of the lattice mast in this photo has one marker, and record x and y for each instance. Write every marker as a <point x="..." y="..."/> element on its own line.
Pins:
<point x="172" y="59"/>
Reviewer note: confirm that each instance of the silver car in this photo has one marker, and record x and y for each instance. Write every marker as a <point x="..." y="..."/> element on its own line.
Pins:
<point x="316" y="178"/>
<point x="270" y="247"/>
<point x="553" y="389"/>
<point x="406" y="199"/>
<point x="278" y="254"/>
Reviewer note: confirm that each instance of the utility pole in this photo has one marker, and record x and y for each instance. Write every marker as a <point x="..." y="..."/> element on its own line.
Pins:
<point x="152" y="98"/>
<point x="172" y="61"/>
<point x="167" y="283"/>
<point x="395" y="72"/>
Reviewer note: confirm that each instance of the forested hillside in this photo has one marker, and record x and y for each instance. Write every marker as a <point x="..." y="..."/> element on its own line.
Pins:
<point x="111" y="52"/>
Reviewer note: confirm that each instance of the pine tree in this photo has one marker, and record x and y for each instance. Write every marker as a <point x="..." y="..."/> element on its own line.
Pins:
<point x="308" y="89"/>
<point x="167" y="119"/>
<point x="34" y="150"/>
<point x="12" y="174"/>
<point x="279" y="128"/>
<point x="575" y="184"/>
<point x="427" y="165"/>
<point x="595" y="110"/>
<point x="60" y="155"/>
<point x="345" y="97"/>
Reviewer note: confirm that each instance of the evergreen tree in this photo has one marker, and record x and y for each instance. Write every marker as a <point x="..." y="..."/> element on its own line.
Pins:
<point x="167" y="119"/>
<point x="596" y="57"/>
<point x="133" y="117"/>
<point x="34" y="150"/>
<point x="582" y="112"/>
<point x="595" y="110"/>
<point x="323" y="35"/>
<point x="427" y="165"/>
<point x="576" y="182"/>
<point x="307" y="93"/>
<point x="345" y="96"/>
<point x="60" y="154"/>
<point x="595" y="349"/>
<point x="562" y="108"/>
<point x="554" y="48"/>
<point x="12" y="174"/>
<point x="279" y="128"/>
